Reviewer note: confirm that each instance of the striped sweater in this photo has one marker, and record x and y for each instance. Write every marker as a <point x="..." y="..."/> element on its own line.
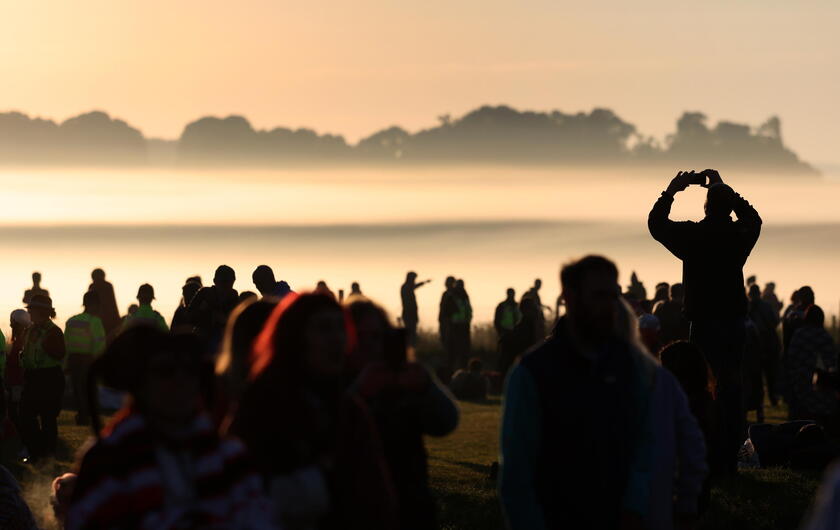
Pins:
<point x="129" y="479"/>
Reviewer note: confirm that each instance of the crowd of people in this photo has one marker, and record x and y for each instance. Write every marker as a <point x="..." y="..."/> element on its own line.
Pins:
<point x="277" y="409"/>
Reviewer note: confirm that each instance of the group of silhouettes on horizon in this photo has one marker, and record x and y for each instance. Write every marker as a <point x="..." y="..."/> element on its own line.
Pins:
<point x="308" y="410"/>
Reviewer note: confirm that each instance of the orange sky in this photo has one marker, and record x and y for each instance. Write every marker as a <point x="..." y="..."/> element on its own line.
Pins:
<point x="354" y="66"/>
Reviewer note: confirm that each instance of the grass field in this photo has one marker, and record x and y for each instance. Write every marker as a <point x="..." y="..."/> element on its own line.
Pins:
<point x="460" y="468"/>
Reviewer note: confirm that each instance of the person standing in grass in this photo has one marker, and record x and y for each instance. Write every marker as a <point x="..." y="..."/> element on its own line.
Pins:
<point x="575" y="416"/>
<point x="713" y="252"/>
<point x="84" y="339"/>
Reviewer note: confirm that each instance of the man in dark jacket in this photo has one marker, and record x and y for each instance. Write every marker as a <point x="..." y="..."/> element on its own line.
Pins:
<point x="714" y="251"/>
<point x="574" y="416"/>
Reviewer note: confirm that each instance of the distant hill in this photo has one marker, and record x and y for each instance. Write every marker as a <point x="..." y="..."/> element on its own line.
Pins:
<point x="499" y="134"/>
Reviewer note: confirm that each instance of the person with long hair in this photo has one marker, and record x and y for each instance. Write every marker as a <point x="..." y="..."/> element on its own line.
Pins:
<point x="233" y="365"/>
<point x="316" y="445"/>
<point x="674" y="463"/>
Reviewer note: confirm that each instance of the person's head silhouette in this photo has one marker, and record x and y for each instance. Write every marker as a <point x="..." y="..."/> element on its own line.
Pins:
<point x="36" y="279"/>
<point x="91" y="302"/>
<point x="145" y="294"/>
<point x="224" y="277"/>
<point x="591" y="290"/>
<point x="719" y="201"/>
<point x="511" y="294"/>
<point x="264" y="280"/>
<point x="98" y="275"/>
<point x="450" y="282"/>
<point x="537" y="284"/>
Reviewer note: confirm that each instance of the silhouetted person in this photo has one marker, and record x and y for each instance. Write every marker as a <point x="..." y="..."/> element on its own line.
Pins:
<point x="19" y="322"/>
<point x="636" y="291"/>
<point x="36" y="289"/>
<point x="445" y="311"/>
<point x="470" y="384"/>
<point x="266" y="283"/>
<point x="661" y="293"/>
<point x="529" y="331"/>
<point x="576" y="406"/>
<point x="410" y="316"/>
<point x="794" y="316"/>
<point x="811" y="348"/>
<point x="460" y="328"/>
<point x="769" y="296"/>
<point x="507" y="315"/>
<point x="355" y="289"/>
<point x="322" y="288"/>
<point x="766" y="320"/>
<point x="108" y="310"/>
<point x="181" y="322"/>
<point x="43" y="387"/>
<point x="84" y="339"/>
<point x="211" y="306"/>
<point x="144" y="315"/>
<point x="534" y="292"/>
<point x="669" y="311"/>
<point x="713" y="252"/>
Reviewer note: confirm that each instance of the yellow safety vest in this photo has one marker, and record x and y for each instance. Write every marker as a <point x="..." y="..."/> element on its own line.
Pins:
<point x="33" y="356"/>
<point x="84" y="334"/>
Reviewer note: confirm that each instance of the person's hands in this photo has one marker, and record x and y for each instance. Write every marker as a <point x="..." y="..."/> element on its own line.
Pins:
<point x="680" y="182"/>
<point x="713" y="176"/>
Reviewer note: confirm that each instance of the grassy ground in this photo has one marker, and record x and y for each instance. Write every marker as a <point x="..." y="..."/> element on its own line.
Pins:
<point x="460" y="468"/>
<point x="460" y="465"/>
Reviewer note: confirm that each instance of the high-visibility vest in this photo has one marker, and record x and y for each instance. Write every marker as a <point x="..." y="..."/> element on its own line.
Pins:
<point x="510" y="316"/>
<point x="84" y="334"/>
<point x="33" y="356"/>
<point x="145" y="316"/>
<point x="464" y="312"/>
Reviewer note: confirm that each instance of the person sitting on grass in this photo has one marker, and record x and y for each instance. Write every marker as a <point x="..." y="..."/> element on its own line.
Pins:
<point x="159" y="463"/>
<point x="470" y="384"/>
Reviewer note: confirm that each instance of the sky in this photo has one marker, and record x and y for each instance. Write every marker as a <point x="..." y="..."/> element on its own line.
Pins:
<point x="353" y="67"/>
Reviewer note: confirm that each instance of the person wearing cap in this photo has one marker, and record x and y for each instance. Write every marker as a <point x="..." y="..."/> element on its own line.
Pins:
<point x="84" y="339"/>
<point x="145" y="315"/>
<point x="43" y="379"/>
<point x="160" y="462"/>
<point x="210" y="307"/>
<point x="409" y="306"/>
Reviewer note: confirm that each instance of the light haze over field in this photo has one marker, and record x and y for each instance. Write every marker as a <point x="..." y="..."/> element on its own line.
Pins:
<point x="355" y="67"/>
<point x="495" y="227"/>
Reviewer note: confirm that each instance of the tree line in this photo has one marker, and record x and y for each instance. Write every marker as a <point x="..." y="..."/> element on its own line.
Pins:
<point x="489" y="134"/>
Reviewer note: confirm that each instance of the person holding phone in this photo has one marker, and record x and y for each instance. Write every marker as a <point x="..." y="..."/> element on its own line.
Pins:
<point x="713" y="252"/>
